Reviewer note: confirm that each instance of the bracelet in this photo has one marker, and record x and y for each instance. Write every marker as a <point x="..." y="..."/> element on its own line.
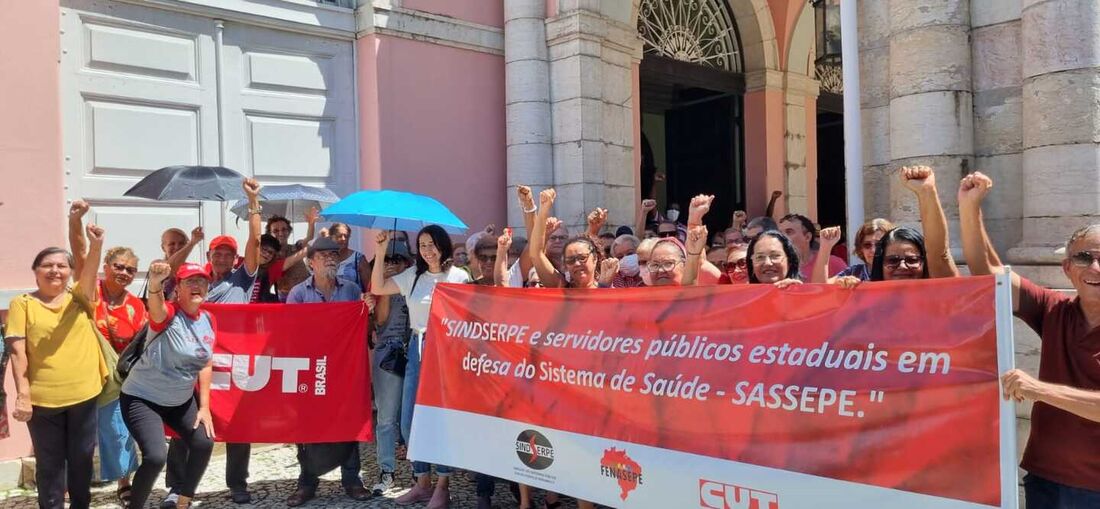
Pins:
<point x="156" y="292"/>
<point x="257" y="210"/>
<point x="693" y="254"/>
<point x="532" y="210"/>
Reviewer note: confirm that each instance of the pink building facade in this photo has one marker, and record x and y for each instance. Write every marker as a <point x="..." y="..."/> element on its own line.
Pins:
<point x="459" y="99"/>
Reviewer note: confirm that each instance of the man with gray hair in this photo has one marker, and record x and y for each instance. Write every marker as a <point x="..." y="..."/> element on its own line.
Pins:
<point x="625" y="250"/>
<point x="1064" y="444"/>
<point x="326" y="286"/>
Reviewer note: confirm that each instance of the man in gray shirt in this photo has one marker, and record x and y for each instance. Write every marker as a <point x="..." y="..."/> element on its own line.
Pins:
<point x="232" y="284"/>
<point x="325" y="286"/>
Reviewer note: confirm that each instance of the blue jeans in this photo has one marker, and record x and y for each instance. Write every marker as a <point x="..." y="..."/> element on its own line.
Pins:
<point x="117" y="451"/>
<point x="387" y="399"/>
<point x="1045" y="494"/>
<point x="408" y="402"/>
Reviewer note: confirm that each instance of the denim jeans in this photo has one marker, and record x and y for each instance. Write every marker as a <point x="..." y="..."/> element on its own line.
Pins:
<point x="387" y="399"/>
<point x="117" y="451"/>
<point x="408" y="402"/>
<point x="1045" y="494"/>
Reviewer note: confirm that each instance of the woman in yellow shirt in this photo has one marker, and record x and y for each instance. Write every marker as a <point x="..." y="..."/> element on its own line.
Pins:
<point x="59" y="370"/>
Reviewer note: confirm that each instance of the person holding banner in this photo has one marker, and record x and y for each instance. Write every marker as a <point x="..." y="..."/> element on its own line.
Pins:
<point x="59" y="370"/>
<point x="773" y="259"/>
<point x="392" y="333"/>
<point x="417" y="285"/>
<point x="326" y="286"/>
<point x="1064" y="444"/>
<point x="579" y="256"/>
<point x="160" y="389"/>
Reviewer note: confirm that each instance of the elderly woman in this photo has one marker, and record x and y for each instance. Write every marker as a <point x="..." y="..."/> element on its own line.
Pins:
<point x="119" y="315"/>
<point x="580" y="256"/>
<point x="170" y="384"/>
<point x="353" y="265"/>
<point x="59" y="369"/>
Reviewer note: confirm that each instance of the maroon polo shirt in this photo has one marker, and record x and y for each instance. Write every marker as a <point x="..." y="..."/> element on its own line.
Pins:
<point x="1063" y="447"/>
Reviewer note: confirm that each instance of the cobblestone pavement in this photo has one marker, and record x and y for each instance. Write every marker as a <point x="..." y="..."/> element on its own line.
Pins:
<point x="273" y="475"/>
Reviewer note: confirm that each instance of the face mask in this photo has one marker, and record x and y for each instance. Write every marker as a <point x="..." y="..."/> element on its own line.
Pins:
<point x="646" y="278"/>
<point x="628" y="265"/>
<point x="672" y="214"/>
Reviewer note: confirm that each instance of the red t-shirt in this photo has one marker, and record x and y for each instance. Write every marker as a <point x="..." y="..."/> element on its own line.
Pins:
<point x="119" y="324"/>
<point x="1063" y="447"/>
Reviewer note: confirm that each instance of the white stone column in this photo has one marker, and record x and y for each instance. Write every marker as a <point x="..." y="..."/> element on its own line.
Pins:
<point x="591" y="61"/>
<point x="1061" y="130"/>
<point x="527" y="100"/>
<point x="931" y="104"/>
<point x="801" y="91"/>
<point x="874" y="79"/>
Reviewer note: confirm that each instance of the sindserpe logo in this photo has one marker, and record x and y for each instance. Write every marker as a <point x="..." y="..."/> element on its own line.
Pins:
<point x="717" y="495"/>
<point x="534" y="450"/>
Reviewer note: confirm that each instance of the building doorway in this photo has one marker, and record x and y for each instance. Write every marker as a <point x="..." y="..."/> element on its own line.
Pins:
<point x="692" y="110"/>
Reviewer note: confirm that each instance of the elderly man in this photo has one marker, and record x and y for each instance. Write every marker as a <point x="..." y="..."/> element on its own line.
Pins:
<point x="1062" y="451"/>
<point x="325" y="286"/>
<point x="232" y="284"/>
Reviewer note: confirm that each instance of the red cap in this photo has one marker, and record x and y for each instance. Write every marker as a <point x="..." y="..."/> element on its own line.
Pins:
<point x="224" y="240"/>
<point x="192" y="269"/>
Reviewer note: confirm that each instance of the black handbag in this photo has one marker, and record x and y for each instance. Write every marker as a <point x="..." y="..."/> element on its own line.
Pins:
<point x="393" y="358"/>
<point x="132" y="353"/>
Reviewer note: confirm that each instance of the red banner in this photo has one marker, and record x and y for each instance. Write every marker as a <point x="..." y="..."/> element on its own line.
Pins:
<point x="892" y="385"/>
<point x="291" y="373"/>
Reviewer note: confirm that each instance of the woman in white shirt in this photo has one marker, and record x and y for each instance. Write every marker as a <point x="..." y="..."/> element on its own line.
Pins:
<point x="416" y="284"/>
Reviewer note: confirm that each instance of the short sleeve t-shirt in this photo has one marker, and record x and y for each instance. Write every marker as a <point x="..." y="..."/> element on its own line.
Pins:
<point x="166" y="373"/>
<point x="236" y="288"/>
<point x="121" y="323"/>
<point x="419" y="299"/>
<point x="64" y="363"/>
<point x="396" y="325"/>
<point x="1063" y="447"/>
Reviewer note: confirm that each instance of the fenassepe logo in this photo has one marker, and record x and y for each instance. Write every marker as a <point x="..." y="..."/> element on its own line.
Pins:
<point x="716" y="495"/>
<point x="234" y="370"/>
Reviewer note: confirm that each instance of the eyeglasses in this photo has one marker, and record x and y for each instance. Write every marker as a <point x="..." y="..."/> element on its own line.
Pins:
<point x="739" y="264"/>
<point x="123" y="268"/>
<point x="486" y="258"/>
<point x="1084" y="259"/>
<point x="762" y="258"/>
<point x="868" y="245"/>
<point x="663" y="266"/>
<point x="895" y="261"/>
<point x="575" y="259"/>
<point x="559" y="238"/>
<point x="665" y="235"/>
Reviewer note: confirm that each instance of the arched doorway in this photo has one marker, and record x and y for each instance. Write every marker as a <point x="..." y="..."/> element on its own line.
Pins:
<point x="692" y="88"/>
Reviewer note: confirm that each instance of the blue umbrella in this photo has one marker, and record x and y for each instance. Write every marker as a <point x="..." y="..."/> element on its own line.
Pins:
<point x="393" y="210"/>
<point x="288" y="201"/>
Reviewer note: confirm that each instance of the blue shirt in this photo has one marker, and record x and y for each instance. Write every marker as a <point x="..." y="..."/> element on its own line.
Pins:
<point x="236" y="288"/>
<point x="349" y="268"/>
<point x="860" y="270"/>
<point x="167" y="370"/>
<point x="306" y="293"/>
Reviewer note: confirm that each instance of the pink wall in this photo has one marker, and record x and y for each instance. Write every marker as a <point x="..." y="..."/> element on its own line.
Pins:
<point x="486" y="12"/>
<point x="763" y="149"/>
<point x="432" y="121"/>
<point x="785" y="15"/>
<point x="30" y="148"/>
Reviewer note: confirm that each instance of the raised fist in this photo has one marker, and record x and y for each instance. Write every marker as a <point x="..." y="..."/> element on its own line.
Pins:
<point x="547" y="197"/>
<point x="95" y="232"/>
<point x="251" y="188"/>
<point x="159" y="271"/>
<point x="830" y="237"/>
<point x="78" y="209"/>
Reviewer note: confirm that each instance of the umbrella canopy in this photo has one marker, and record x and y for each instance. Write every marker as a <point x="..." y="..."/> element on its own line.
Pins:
<point x="289" y="201"/>
<point x="209" y="183"/>
<point x="393" y="210"/>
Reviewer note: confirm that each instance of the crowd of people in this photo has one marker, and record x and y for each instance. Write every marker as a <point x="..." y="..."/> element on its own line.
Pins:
<point x="57" y="335"/>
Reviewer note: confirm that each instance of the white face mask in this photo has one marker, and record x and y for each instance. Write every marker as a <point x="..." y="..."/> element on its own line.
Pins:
<point x="672" y="214"/>
<point x="628" y="265"/>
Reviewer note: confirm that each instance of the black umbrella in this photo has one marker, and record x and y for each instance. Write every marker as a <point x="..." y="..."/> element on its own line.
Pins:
<point x="209" y="183"/>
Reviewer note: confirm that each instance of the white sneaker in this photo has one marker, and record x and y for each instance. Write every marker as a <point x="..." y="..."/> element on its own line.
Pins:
<point x="170" y="501"/>
<point x="385" y="483"/>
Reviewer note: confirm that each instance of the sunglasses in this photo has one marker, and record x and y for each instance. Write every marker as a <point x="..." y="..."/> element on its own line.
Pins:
<point x="895" y="261"/>
<point x="123" y="268"/>
<point x="1084" y="259"/>
<point x="739" y="264"/>
<point x="575" y="259"/>
<point x="665" y="235"/>
<point x="394" y="261"/>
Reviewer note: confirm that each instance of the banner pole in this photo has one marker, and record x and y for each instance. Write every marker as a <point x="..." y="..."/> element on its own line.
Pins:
<point x="1006" y="360"/>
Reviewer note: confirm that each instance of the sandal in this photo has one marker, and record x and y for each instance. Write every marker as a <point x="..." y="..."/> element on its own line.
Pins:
<point x="123" y="495"/>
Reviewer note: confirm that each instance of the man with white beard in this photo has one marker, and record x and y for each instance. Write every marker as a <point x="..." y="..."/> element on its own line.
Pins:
<point x="325" y="286"/>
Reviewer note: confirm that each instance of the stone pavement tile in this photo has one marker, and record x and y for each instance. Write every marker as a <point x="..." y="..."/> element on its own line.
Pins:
<point x="273" y="475"/>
